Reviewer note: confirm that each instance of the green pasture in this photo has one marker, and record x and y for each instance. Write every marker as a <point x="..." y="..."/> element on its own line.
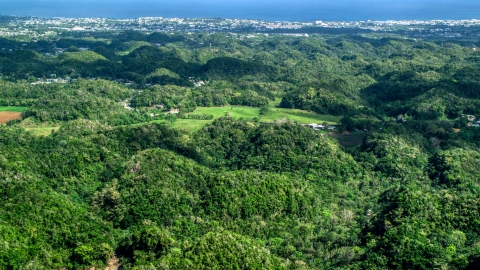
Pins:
<point x="42" y="130"/>
<point x="273" y="114"/>
<point x="249" y="113"/>
<point x="12" y="109"/>
<point x="38" y="129"/>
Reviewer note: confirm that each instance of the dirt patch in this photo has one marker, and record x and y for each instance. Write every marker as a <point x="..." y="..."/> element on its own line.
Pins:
<point x="113" y="264"/>
<point x="7" y="116"/>
<point x="457" y="130"/>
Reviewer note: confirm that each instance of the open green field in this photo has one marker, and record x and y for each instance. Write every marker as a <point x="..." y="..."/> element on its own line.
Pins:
<point x="12" y="109"/>
<point x="38" y="129"/>
<point x="300" y="116"/>
<point x="249" y="113"/>
<point x="42" y="131"/>
<point x="274" y="114"/>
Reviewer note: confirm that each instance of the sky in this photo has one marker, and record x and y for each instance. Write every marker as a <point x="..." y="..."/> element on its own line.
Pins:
<point x="299" y="10"/>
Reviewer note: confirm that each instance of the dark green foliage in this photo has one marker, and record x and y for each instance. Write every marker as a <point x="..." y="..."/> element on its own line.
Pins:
<point x="320" y="101"/>
<point x="225" y="67"/>
<point x="455" y="168"/>
<point x="395" y="156"/>
<point x="397" y="86"/>
<point x="41" y="227"/>
<point x="153" y="37"/>
<point x="271" y="147"/>
<point x="95" y="100"/>
<point x="422" y="238"/>
<point x="249" y="98"/>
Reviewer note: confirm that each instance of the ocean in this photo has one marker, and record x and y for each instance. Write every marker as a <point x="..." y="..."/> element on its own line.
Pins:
<point x="279" y="10"/>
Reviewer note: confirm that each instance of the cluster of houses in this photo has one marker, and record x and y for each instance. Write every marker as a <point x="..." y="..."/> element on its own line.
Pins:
<point x="58" y="51"/>
<point x="317" y="127"/>
<point x="471" y="119"/>
<point x="125" y="82"/>
<point x="196" y="83"/>
<point x="53" y="79"/>
<point x="127" y="105"/>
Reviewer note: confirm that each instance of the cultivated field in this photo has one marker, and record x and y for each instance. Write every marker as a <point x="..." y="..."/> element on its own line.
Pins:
<point x="7" y="116"/>
<point x="8" y="113"/>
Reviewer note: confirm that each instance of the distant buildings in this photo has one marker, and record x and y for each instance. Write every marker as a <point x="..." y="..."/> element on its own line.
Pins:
<point x="48" y="81"/>
<point x="50" y="27"/>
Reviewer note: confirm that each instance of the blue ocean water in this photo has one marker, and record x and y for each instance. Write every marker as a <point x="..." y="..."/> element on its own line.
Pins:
<point x="279" y="10"/>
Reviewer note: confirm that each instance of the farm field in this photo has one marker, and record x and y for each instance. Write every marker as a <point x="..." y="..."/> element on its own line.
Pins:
<point x="6" y="116"/>
<point x="8" y="113"/>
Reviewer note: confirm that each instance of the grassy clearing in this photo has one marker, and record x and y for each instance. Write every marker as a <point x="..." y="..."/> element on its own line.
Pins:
<point x="42" y="131"/>
<point x="302" y="117"/>
<point x="12" y="109"/>
<point x="38" y="129"/>
<point x="236" y="112"/>
<point x="249" y="113"/>
<point x="274" y="114"/>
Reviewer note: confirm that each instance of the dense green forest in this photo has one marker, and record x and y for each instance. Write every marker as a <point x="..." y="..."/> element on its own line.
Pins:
<point x="394" y="184"/>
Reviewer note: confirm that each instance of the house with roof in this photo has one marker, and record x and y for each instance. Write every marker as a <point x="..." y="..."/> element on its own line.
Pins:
<point x="314" y="126"/>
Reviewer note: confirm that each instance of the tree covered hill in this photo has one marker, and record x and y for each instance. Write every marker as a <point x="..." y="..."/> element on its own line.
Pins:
<point x="90" y="191"/>
<point x="114" y="181"/>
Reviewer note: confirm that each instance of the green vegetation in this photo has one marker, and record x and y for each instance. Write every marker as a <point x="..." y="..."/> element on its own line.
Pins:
<point x="85" y="56"/>
<point x="162" y="152"/>
<point x="12" y="109"/>
<point x="187" y="122"/>
<point x="42" y="130"/>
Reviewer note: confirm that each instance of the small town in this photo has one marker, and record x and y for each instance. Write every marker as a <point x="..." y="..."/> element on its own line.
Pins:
<point x="41" y="28"/>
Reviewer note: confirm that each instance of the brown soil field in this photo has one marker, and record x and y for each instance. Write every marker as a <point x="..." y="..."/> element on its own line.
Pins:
<point x="7" y="116"/>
